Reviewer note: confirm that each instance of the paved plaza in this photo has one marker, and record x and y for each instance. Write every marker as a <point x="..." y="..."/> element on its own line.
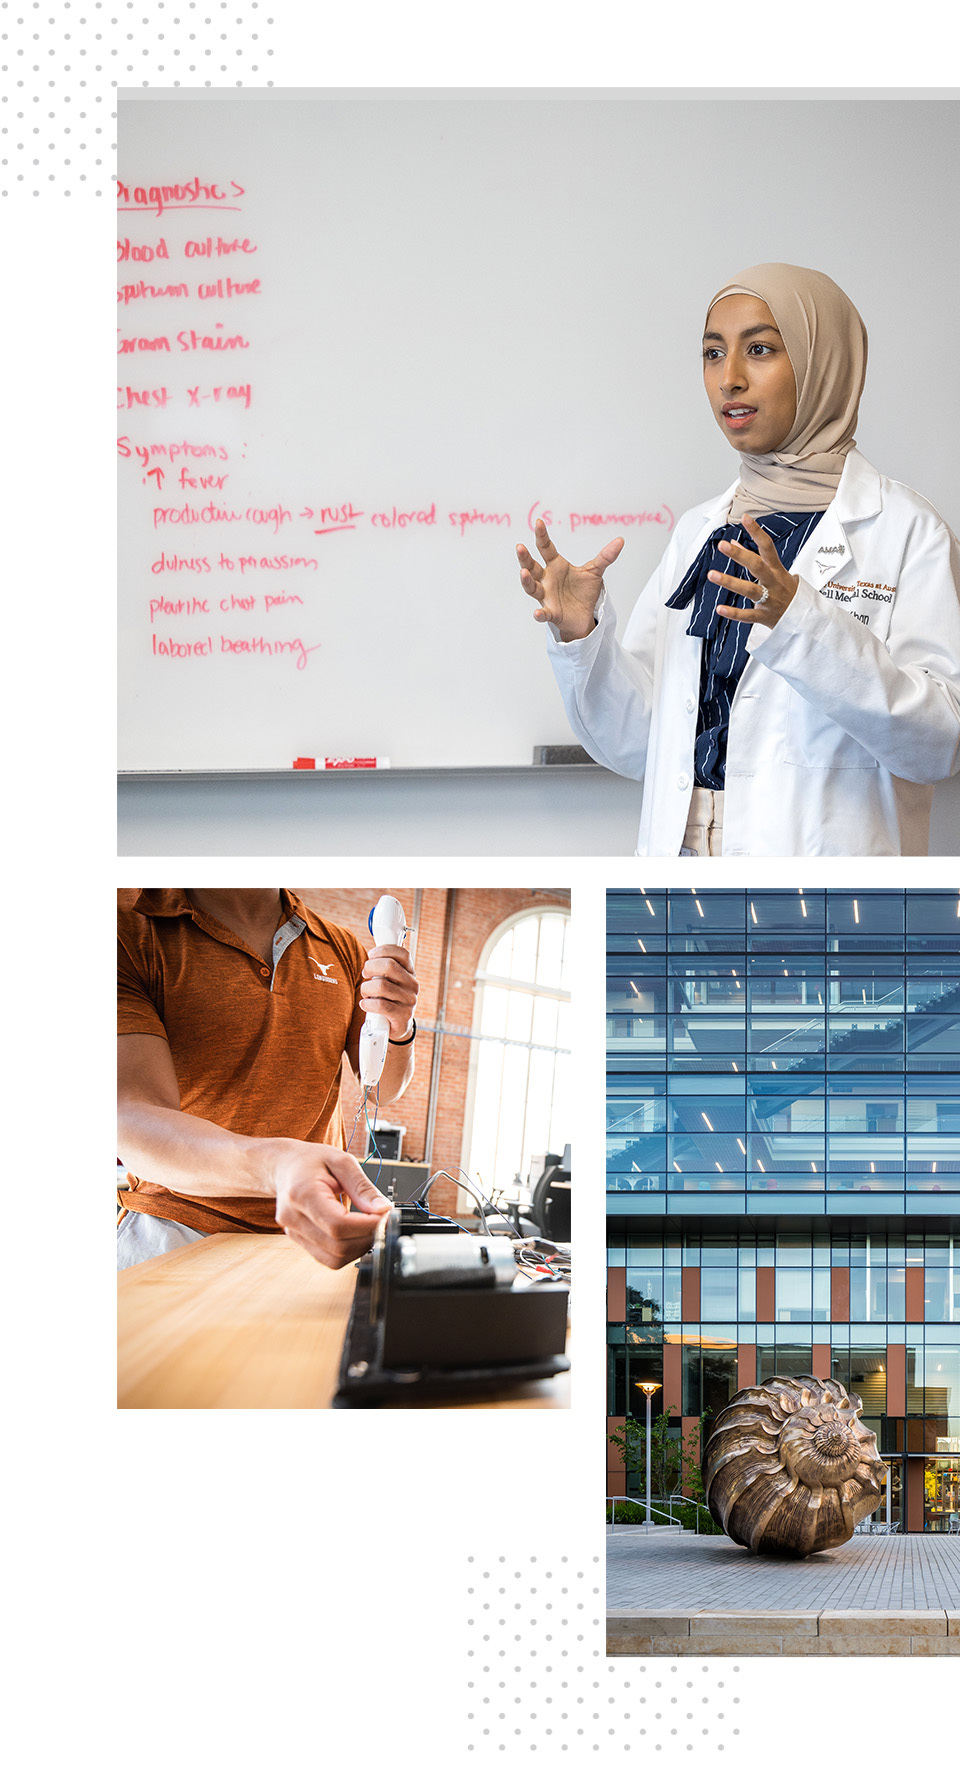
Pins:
<point x="686" y="1573"/>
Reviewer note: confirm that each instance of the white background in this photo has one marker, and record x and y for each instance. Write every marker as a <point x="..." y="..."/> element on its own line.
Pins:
<point x="232" y="1591"/>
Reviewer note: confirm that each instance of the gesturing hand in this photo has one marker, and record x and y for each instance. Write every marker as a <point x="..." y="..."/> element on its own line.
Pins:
<point x="777" y="586"/>
<point x="567" y="595"/>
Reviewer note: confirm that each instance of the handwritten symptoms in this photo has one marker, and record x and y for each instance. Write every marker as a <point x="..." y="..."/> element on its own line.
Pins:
<point x="159" y="459"/>
<point x="168" y="647"/>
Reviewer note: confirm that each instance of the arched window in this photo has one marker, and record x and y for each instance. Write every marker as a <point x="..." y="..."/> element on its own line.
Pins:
<point x="518" y="1098"/>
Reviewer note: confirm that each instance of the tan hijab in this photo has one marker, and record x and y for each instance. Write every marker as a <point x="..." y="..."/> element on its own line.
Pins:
<point x="826" y="343"/>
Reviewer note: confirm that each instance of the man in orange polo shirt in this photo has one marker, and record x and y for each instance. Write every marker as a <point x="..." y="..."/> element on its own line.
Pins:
<point x="237" y="1008"/>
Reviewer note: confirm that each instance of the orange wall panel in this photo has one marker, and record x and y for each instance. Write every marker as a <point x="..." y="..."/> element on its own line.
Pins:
<point x="914" y="1292"/>
<point x="689" y="1294"/>
<point x="766" y="1299"/>
<point x="840" y="1295"/>
<point x="896" y="1380"/>
<point x="746" y="1365"/>
<point x="616" y="1475"/>
<point x="616" y="1296"/>
<point x="672" y="1381"/>
<point x="915" y="1472"/>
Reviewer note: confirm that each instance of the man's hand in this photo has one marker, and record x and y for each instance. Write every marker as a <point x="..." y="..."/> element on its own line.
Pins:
<point x="389" y="988"/>
<point x="567" y="595"/>
<point x="310" y="1181"/>
<point x="776" y="585"/>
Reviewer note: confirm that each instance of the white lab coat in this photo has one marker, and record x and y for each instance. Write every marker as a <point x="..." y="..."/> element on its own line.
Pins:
<point x="845" y="713"/>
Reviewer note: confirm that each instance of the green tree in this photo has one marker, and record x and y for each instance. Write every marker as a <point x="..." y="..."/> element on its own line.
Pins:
<point x="674" y="1461"/>
<point x="691" y="1452"/>
<point x="631" y="1440"/>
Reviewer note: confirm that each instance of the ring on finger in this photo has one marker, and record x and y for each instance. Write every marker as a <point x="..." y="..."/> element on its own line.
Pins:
<point x="762" y="599"/>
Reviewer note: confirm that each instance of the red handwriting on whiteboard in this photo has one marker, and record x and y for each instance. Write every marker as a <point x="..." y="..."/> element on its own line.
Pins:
<point x="336" y="517"/>
<point x="271" y="601"/>
<point x="204" y="483"/>
<point x="128" y="397"/>
<point x="463" y="520"/>
<point x="171" y="647"/>
<point x="398" y="520"/>
<point x="536" y="512"/>
<point x="226" y="286"/>
<point x="188" y="340"/>
<point x="272" y="563"/>
<point x="273" y="517"/>
<point x="142" y="255"/>
<point x="195" y="194"/>
<point x="240" y="393"/>
<point x="142" y="397"/>
<point x="217" y="249"/>
<point x="178" y="607"/>
<point x="171" y="452"/>
<point x="166" y="647"/>
<point x="143" y="292"/>
<point x="619" y="520"/>
<point x="181" y="564"/>
<point x="259" y="644"/>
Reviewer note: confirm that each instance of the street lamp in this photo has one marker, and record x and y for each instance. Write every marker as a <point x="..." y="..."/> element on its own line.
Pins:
<point x="649" y="1387"/>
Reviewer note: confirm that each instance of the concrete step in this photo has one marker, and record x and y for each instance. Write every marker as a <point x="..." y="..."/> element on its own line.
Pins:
<point x="640" y="1528"/>
<point x="739" y="1633"/>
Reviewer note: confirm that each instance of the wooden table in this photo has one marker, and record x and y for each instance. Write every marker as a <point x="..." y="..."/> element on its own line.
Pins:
<point x="246" y="1320"/>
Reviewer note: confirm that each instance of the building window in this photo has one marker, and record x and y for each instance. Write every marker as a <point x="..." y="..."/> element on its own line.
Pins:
<point x="518" y="1102"/>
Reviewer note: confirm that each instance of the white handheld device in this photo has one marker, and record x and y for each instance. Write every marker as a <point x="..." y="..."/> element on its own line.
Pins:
<point x="388" y="924"/>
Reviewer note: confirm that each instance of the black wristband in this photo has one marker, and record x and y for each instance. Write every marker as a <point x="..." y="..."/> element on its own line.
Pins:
<point x="406" y="1040"/>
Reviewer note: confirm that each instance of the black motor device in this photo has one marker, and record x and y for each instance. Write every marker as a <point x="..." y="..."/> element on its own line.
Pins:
<point x="438" y="1311"/>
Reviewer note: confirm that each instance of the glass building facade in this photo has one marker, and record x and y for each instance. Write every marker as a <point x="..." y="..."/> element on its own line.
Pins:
<point x="783" y="1160"/>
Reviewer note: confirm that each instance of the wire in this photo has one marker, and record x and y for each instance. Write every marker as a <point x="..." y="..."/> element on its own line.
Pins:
<point x="372" y="1131"/>
<point x="468" y="1186"/>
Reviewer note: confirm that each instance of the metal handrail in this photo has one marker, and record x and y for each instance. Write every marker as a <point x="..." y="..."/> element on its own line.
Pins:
<point x="697" y="1504"/>
<point x="665" y="1508"/>
<point x="626" y="1499"/>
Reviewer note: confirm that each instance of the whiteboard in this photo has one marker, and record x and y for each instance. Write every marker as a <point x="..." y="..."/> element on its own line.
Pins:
<point x="363" y="342"/>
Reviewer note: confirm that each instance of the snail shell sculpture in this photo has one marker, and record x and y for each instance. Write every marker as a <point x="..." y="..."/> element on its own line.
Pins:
<point x="788" y="1469"/>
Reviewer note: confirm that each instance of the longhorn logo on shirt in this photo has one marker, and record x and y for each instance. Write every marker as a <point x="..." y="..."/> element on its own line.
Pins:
<point x="324" y="974"/>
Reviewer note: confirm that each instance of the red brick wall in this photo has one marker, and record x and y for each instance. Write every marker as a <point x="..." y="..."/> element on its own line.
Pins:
<point x="477" y="912"/>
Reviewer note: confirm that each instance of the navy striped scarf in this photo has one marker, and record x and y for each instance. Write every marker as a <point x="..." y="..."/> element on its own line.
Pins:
<point x="724" y="652"/>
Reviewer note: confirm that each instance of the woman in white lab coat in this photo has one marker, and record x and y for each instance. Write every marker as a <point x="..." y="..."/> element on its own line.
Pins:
<point x="788" y="687"/>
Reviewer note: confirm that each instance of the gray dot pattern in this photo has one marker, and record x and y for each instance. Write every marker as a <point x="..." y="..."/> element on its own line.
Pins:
<point x="61" y="62"/>
<point x="538" y="1678"/>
